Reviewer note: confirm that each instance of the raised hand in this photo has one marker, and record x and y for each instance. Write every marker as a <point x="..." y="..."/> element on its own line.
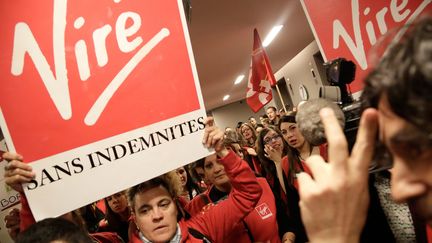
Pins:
<point x="16" y="171"/>
<point x="334" y="202"/>
<point x="273" y="154"/>
<point x="213" y="138"/>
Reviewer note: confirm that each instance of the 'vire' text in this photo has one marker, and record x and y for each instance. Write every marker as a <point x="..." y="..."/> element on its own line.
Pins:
<point x="57" y="83"/>
<point x="398" y="12"/>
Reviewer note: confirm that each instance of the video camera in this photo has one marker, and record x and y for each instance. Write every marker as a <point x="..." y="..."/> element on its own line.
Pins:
<point x="341" y="72"/>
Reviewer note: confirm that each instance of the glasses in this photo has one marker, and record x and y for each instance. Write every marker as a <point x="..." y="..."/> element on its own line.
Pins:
<point x="268" y="140"/>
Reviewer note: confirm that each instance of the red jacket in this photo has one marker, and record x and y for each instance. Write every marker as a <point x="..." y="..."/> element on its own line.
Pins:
<point x="219" y="222"/>
<point x="429" y="233"/>
<point x="285" y="163"/>
<point x="260" y="222"/>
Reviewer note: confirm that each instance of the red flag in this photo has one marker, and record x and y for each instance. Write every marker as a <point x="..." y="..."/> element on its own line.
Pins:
<point x="261" y="78"/>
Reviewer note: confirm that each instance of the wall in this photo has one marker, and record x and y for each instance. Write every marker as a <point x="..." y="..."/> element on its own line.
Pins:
<point x="229" y="115"/>
<point x="304" y="69"/>
<point x="296" y="72"/>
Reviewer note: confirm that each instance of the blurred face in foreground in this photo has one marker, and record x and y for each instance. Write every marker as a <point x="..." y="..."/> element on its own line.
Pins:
<point x="412" y="159"/>
<point x="155" y="214"/>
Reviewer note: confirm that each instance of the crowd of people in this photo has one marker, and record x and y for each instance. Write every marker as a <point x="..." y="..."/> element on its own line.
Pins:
<point x="267" y="183"/>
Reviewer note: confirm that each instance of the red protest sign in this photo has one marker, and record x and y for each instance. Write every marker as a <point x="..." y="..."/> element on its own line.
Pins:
<point x="351" y="29"/>
<point x="91" y="88"/>
<point x="60" y="57"/>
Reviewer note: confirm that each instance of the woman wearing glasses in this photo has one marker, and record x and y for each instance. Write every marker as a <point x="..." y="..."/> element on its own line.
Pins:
<point x="282" y="154"/>
<point x="271" y="149"/>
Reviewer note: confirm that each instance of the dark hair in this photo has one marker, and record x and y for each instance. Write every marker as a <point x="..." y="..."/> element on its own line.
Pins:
<point x="91" y="215"/>
<point x="114" y="220"/>
<point x="239" y="124"/>
<point x="272" y="107"/>
<point x="53" y="229"/>
<point x="147" y="185"/>
<point x="267" y="164"/>
<point x="199" y="163"/>
<point x="191" y="184"/>
<point x="170" y="181"/>
<point x="404" y="76"/>
<point x="269" y="172"/>
<point x="289" y="117"/>
<point x="293" y="154"/>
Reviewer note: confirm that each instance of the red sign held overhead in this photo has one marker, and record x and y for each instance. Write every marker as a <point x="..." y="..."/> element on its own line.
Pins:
<point x="78" y="75"/>
<point x="352" y="29"/>
<point x="80" y="71"/>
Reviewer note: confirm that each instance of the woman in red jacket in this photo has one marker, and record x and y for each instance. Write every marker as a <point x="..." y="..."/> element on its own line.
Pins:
<point x="271" y="149"/>
<point x="117" y="215"/>
<point x="300" y="150"/>
<point x="282" y="153"/>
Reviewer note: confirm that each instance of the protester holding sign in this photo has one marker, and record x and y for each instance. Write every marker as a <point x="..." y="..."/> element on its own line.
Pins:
<point x="155" y="212"/>
<point x="18" y="172"/>
<point x="153" y="202"/>
<point x="260" y="225"/>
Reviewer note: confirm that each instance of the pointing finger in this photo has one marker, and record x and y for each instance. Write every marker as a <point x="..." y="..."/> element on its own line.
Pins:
<point x="364" y="146"/>
<point x="338" y="148"/>
<point x="317" y="166"/>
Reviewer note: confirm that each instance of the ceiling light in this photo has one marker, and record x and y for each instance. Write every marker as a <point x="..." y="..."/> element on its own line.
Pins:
<point x="226" y="97"/>
<point x="270" y="37"/>
<point x="239" y="79"/>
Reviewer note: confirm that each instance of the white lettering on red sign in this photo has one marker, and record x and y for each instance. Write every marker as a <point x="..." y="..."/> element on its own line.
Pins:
<point x="398" y="12"/>
<point x="57" y="83"/>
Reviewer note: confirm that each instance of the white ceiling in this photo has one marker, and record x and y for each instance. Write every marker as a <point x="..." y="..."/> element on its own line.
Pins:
<point x="222" y="37"/>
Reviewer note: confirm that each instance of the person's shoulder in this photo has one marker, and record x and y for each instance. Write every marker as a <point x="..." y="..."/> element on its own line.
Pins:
<point x="197" y="203"/>
<point x="285" y="164"/>
<point x="106" y="237"/>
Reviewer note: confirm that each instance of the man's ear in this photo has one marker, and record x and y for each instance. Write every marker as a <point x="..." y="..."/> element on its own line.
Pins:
<point x="132" y="216"/>
<point x="133" y="226"/>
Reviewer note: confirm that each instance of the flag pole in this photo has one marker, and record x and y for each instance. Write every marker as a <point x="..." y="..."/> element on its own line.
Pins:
<point x="280" y="97"/>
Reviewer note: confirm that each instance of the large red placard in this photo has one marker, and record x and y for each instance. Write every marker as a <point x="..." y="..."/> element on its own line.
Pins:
<point x="353" y="28"/>
<point x="158" y="86"/>
<point x="97" y="95"/>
